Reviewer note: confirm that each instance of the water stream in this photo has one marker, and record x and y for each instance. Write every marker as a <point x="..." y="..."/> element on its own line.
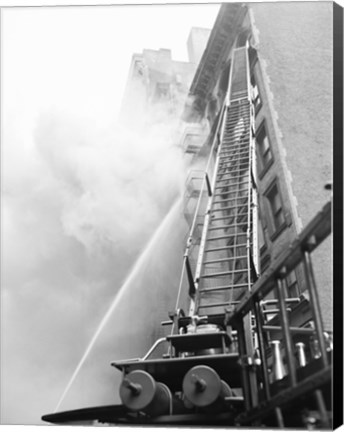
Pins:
<point x="133" y="273"/>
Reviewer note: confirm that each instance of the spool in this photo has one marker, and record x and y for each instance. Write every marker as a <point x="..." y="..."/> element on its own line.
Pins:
<point x="140" y="392"/>
<point x="203" y="387"/>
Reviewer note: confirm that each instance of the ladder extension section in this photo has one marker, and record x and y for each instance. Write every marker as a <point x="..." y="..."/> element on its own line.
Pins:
<point x="223" y="273"/>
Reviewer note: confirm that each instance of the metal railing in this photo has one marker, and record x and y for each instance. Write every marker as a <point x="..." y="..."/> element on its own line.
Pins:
<point x="296" y="347"/>
<point x="186" y="276"/>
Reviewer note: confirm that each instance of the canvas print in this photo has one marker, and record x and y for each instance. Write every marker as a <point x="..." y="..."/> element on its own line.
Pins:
<point x="166" y="215"/>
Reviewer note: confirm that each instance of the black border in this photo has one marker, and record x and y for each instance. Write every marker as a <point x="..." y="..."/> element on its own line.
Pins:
<point x="338" y="213"/>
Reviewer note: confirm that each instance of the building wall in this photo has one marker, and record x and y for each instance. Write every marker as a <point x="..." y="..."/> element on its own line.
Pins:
<point x="156" y="87"/>
<point x="295" y="47"/>
<point x="294" y="42"/>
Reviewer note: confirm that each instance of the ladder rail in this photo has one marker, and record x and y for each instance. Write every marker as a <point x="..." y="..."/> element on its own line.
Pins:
<point x="194" y="221"/>
<point x="192" y="307"/>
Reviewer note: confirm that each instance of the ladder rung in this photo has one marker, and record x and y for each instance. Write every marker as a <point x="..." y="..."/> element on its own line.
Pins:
<point x="275" y="301"/>
<point x="233" y="147"/>
<point x="223" y="288"/>
<point x="236" y="225"/>
<point x="237" y="156"/>
<point x="228" y="199"/>
<point x="226" y="208"/>
<point x="239" y="96"/>
<point x="236" y="116"/>
<point x="302" y="330"/>
<point x="225" y="164"/>
<point x="229" y="178"/>
<point x="226" y="273"/>
<point x="237" y="104"/>
<point x="236" y="133"/>
<point x="234" y="128"/>
<point x="242" y="104"/>
<point x="230" y="143"/>
<point x="234" y="216"/>
<point x="227" y="171"/>
<point x="237" y="109"/>
<point x="209" y="305"/>
<point x="235" y="113"/>
<point x="225" y="247"/>
<point x="226" y="193"/>
<point x="234" y="152"/>
<point x="232" y="178"/>
<point x="244" y="205"/>
<point x="224" y="259"/>
<point x="269" y="311"/>
<point x="230" y="158"/>
<point x="244" y="183"/>
<point x="226" y="236"/>
<point x="235" y="138"/>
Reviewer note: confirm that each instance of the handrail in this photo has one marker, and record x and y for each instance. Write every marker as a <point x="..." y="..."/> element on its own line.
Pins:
<point x="206" y="172"/>
<point x="156" y="343"/>
<point x="193" y="225"/>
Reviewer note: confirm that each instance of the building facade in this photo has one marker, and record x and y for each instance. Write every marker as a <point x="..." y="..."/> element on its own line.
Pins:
<point x="157" y="84"/>
<point x="290" y="64"/>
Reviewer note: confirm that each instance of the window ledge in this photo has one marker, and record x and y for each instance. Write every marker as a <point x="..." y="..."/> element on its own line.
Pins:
<point x="265" y="169"/>
<point x="263" y="249"/>
<point x="257" y="109"/>
<point x="278" y="231"/>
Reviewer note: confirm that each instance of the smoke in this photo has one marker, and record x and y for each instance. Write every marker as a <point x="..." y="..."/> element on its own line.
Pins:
<point x="79" y="204"/>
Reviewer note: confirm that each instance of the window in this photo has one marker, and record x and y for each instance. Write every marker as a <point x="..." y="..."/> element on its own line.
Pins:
<point x="265" y="158"/>
<point x="264" y="263"/>
<point x="162" y="91"/>
<point x="139" y="68"/>
<point x="261" y="236"/>
<point x="257" y="102"/>
<point x="277" y="218"/>
<point x="292" y="286"/>
<point x="192" y="143"/>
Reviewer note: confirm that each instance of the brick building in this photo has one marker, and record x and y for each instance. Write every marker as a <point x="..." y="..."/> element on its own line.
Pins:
<point x="290" y="64"/>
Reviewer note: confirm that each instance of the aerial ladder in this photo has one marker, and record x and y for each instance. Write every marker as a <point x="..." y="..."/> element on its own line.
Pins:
<point x="223" y="362"/>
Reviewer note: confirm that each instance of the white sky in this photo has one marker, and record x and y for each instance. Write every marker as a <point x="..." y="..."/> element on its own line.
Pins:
<point x="77" y="58"/>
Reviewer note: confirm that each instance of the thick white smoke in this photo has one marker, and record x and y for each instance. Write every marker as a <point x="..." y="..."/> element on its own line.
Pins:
<point x="80" y="201"/>
<point x="78" y="210"/>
